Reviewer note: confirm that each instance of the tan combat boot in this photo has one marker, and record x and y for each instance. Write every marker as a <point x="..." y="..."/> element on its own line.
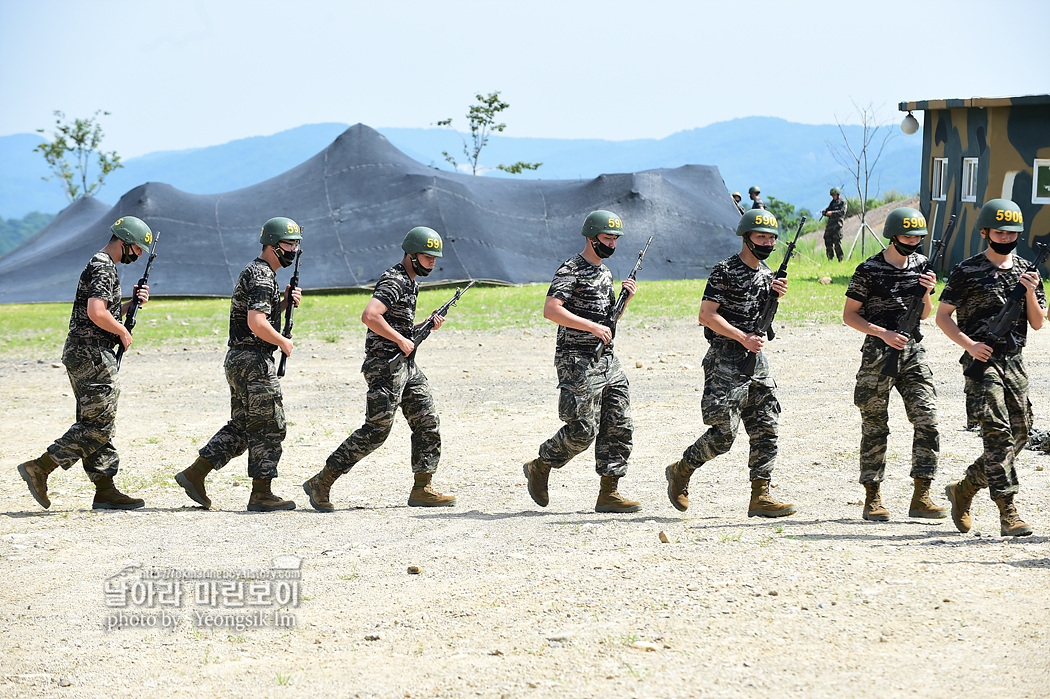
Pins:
<point x="765" y="505"/>
<point x="1010" y="523"/>
<point x="921" y="504"/>
<point x="611" y="501"/>
<point x="873" y="510"/>
<point x="262" y="498"/>
<point x="537" y="473"/>
<point x="678" y="475"/>
<point x="107" y="497"/>
<point x="319" y="489"/>
<point x="960" y="495"/>
<point x="35" y="474"/>
<point x="192" y="481"/>
<point x="423" y="495"/>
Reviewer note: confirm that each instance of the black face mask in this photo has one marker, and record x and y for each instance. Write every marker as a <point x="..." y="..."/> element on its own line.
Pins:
<point x="127" y="255"/>
<point x="1002" y="248"/>
<point x="418" y="268"/>
<point x="602" y="250"/>
<point x="906" y="250"/>
<point x="283" y="256"/>
<point x="760" y="252"/>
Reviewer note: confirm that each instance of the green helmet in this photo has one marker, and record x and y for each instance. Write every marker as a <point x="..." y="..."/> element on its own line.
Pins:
<point x="422" y="240"/>
<point x="133" y="231"/>
<point x="1001" y="214"/>
<point x="753" y="189"/>
<point x="280" y="228"/>
<point x="904" y="221"/>
<point x="602" y="221"/>
<point x="757" y="221"/>
<point x="835" y="190"/>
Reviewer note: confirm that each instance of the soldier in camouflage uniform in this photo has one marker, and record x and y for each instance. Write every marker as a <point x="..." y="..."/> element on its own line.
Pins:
<point x="94" y="330"/>
<point x="594" y="402"/>
<point x="836" y="213"/>
<point x="257" y="423"/>
<point x="390" y="318"/>
<point x="877" y="298"/>
<point x="733" y="298"/>
<point x="977" y="289"/>
<point x="756" y="201"/>
<point x="736" y="200"/>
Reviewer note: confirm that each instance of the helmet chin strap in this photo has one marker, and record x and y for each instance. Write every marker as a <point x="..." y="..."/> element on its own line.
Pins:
<point x="418" y="267"/>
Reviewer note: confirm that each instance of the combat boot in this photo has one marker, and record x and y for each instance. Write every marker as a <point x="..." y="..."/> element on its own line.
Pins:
<point x="611" y="501"/>
<point x="423" y="495"/>
<point x="319" y="489"/>
<point x="873" y="510"/>
<point x="537" y="473"/>
<point x="960" y="495"/>
<point x="1010" y="523"/>
<point x="262" y="498"/>
<point x="192" y="481"/>
<point x="765" y="505"/>
<point x="35" y="474"/>
<point x="678" y="475"/>
<point x="921" y="504"/>
<point x="107" y="497"/>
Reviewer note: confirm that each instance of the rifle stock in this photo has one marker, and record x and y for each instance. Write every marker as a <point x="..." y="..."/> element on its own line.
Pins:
<point x="289" y="312"/>
<point x="131" y="319"/>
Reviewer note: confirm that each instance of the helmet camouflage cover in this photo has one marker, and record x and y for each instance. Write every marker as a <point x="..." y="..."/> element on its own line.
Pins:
<point x="904" y="221"/>
<point x="280" y="228"/>
<point x="1001" y="214"/>
<point x="133" y="231"/>
<point x="757" y="221"/>
<point x="602" y="221"/>
<point x="422" y="240"/>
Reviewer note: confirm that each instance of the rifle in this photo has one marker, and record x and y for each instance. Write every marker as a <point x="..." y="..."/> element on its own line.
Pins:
<point x="769" y="310"/>
<point x="288" y="312"/>
<point x="1000" y="326"/>
<point x="133" y="310"/>
<point x="621" y="301"/>
<point x="909" y="322"/>
<point x="427" y="326"/>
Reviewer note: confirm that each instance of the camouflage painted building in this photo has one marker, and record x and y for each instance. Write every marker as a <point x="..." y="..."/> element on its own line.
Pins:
<point x="978" y="149"/>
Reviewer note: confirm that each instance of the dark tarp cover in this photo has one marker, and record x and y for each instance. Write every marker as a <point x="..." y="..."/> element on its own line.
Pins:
<point x="356" y="200"/>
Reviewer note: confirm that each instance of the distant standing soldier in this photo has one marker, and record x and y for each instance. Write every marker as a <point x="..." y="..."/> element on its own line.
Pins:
<point x="736" y="200"/>
<point x="257" y="423"/>
<point x="756" y="201"/>
<point x="877" y="297"/>
<point x="977" y="289"/>
<point x="733" y="299"/>
<point x="594" y="401"/>
<point x="390" y="319"/>
<point x="836" y="213"/>
<point x="91" y="362"/>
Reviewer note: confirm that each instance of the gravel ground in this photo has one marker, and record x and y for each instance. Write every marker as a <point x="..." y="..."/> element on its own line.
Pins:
<point x="511" y="600"/>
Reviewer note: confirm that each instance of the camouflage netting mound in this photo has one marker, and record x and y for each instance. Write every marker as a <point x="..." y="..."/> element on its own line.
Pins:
<point x="356" y="200"/>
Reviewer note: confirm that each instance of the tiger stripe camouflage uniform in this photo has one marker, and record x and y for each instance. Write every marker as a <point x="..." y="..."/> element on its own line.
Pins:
<point x="91" y="364"/>
<point x="392" y="386"/>
<point x="978" y="289"/>
<point x="729" y="396"/>
<point x="257" y="423"/>
<point x="884" y="292"/>
<point x="836" y="213"/>
<point x="594" y="400"/>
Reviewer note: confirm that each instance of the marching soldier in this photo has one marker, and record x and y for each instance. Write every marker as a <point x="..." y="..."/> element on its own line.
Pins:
<point x="595" y="402"/>
<point x="836" y="213"/>
<point x="733" y="298"/>
<point x="257" y="423"/>
<point x="94" y="330"/>
<point x="877" y="297"/>
<point x="390" y="319"/>
<point x="977" y="289"/>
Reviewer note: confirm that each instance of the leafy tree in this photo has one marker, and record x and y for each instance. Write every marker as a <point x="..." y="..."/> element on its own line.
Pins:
<point x="78" y="141"/>
<point x="786" y="215"/>
<point x="482" y="120"/>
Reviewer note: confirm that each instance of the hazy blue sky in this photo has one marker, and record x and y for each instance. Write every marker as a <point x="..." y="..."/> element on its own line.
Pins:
<point x="191" y="73"/>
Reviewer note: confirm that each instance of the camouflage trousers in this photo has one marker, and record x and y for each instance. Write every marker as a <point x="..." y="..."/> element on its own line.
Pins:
<point x="731" y="398"/>
<point x="595" y="405"/>
<point x="833" y="241"/>
<point x="256" y="415"/>
<point x="403" y="386"/>
<point x="92" y="370"/>
<point x="1003" y="412"/>
<point x="914" y="383"/>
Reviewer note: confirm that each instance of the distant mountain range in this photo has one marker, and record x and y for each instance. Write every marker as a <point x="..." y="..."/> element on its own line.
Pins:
<point x="787" y="160"/>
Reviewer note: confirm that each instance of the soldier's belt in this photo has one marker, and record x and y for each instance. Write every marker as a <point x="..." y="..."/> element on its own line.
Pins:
<point x="88" y="342"/>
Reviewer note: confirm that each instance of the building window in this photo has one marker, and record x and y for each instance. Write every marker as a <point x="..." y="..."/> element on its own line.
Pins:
<point x="939" y="186"/>
<point x="969" y="179"/>
<point x="1041" y="182"/>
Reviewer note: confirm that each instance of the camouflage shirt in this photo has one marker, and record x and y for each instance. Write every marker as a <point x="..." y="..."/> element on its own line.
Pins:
<point x="256" y="290"/>
<point x="978" y="290"/>
<point x="585" y="290"/>
<point x="740" y="292"/>
<point x="884" y="291"/>
<point x="398" y="293"/>
<point x="836" y="210"/>
<point x="99" y="280"/>
<point x="757" y="203"/>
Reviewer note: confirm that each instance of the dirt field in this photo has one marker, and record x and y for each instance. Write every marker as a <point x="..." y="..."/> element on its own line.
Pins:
<point x="513" y="600"/>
